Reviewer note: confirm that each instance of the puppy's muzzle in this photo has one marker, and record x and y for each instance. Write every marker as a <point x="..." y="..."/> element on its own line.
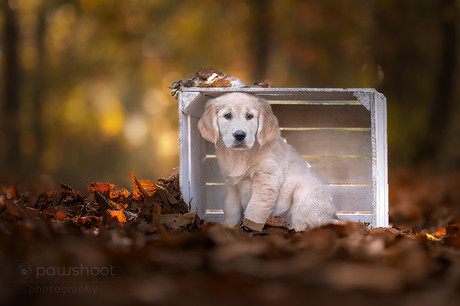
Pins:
<point x="239" y="135"/>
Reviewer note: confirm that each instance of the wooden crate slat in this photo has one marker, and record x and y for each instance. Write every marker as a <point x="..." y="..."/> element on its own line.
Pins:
<point x="329" y="94"/>
<point x="327" y="170"/>
<point x="330" y="142"/>
<point x="340" y="116"/>
<point x="345" y="197"/>
<point x="324" y="142"/>
<point x="341" y="170"/>
<point x="215" y="196"/>
<point x="351" y="197"/>
<point x="215" y="217"/>
<point x="359" y="217"/>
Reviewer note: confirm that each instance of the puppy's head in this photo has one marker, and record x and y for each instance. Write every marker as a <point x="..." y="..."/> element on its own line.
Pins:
<point x="238" y="121"/>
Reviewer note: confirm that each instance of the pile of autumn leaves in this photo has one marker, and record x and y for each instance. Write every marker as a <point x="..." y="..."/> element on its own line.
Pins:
<point x="152" y="206"/>
<point x="158" y="207"/>
<point x="150" y="230"/>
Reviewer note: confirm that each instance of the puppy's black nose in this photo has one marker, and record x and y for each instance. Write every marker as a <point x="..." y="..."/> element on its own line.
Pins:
<point x="239" y="135"/>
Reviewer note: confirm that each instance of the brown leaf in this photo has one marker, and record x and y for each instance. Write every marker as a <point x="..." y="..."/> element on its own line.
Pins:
<point x="15" y="209"/>
<point x="179" y="222"/>
<point x="388" y="234"/>
<point x="253" y="226"/>
<point x="354" y="276"/>
<point x="277" y="221"/>
<point x="452" y="229"/>
<point x="149" y="186"/>
<point x="102" y="188"/>
<point x="101" y="201"/>
<point x="143" y="188"/>
<point x="195" y="80"/>
<point x="346" y="228"/>
<point x="218" y="82"/>
<point x="119" y="215"/>
<point x="67" y="190"/>
<point x="60" y="214"/>
<point x="50" y="211"/>
<point x="267" y="84"/>
<point x="146" y="209"/>
<point x="453" y="241"/>
<point x="46" y="199"/>
<point x="119" y="195"/>
<point x="318" y="239"/>
<point x="173" y="174"/>
<point x="32" y="212"/>
<point x="206" y="77"/>
<point x="93" y="220"/>
<point x="205" y="73"/>
<point x="156" y="208"/>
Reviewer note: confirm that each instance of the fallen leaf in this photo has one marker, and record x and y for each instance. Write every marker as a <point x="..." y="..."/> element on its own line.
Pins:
<point x="264" y="84"/>
<point x="101" y="201"/>
<point x="156" y="208"/>
<point x="218" y="82"/>
<point x="355" y="276"/>
<point x="46" y="199"/>
<point x="206" y="77"/>
<point x="50" y="211"/>
<point x="179" y="222"/>
<point x="119" y="215"/>
<point x="205" y="73"/>
<point x="60" y="215"/>
<point x="102" y="188"/>
<point x="277" y="221"/>
<point x="452" y="229"/>
<point x="15" y="209"/>
<point x="119" y="195"/>
<point x="452" y="241"/>
<point x="67" y="190"/>
<point x="252" y="226"/>
<point x="433" y="238"/>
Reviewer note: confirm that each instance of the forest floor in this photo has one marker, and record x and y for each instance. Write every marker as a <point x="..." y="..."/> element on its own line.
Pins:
<point x="140" y="247"/>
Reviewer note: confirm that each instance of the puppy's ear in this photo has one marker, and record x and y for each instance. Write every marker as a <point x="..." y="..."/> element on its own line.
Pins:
<point x="268" y="123"/>
<point x="208" y="123"/>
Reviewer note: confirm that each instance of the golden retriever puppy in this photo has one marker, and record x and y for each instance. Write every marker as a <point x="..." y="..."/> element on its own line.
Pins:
<point x="263" y="174"/>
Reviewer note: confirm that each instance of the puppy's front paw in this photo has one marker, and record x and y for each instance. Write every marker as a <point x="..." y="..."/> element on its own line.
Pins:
<point x="253" y="226"/>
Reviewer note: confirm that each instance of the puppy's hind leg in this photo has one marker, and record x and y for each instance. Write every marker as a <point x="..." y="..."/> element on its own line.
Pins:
<point x="312" y="205"/>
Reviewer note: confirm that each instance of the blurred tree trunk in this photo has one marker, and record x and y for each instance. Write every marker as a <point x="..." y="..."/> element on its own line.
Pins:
<point x="442" y="109"/>
<point x="39" y="81"/>
<point x="260" y="36"/>
<point x="11" y="89"/>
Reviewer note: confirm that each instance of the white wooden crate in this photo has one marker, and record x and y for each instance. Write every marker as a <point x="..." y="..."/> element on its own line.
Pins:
<point x="341" y="133"/>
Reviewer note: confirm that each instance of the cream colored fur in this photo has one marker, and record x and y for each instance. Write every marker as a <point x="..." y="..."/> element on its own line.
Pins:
<point x="263" y="174"/>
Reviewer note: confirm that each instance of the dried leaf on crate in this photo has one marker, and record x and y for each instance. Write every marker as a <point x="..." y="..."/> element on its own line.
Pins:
<point x="207" y="77"/>
<point x="264" y="84"/>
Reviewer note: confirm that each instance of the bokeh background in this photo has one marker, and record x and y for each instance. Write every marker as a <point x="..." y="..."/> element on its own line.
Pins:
<point x="84" y="83"/>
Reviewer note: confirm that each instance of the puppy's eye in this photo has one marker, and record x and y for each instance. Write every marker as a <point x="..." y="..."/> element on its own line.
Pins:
<point x="228" y="116"/>
<point x="249" y="116"/>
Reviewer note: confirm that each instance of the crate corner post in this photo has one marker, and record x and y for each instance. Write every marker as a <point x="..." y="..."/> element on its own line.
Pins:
<point x="191" y="151"/>
<point x="376" y="104"/>
<point x="381" y="216"/>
